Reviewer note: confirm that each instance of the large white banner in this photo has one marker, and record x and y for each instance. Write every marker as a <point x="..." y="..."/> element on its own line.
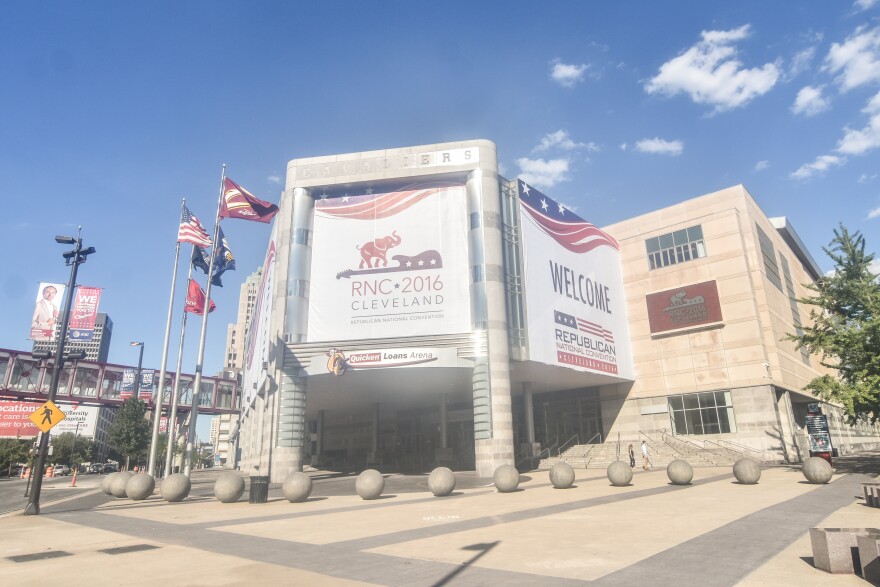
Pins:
<point x="389" y="265"/>
<point x="574" y="294"/>
<point x="258" y="340"/>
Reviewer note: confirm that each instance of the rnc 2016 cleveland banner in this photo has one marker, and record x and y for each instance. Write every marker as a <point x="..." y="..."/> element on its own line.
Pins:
<point x="574" y="295"/>
<point x="390" y="264"/>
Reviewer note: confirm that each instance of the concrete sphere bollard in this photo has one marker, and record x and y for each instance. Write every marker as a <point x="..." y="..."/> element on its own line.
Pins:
<point x="680" y="472"/>
<point x="140" y="486"/>
<point x="297" y="487"/>
<point x="441" y="481"/>
<point x="175" y="487"/>
<point x="105" y="483"/>
<point x="506" y="478"/>
<point x="817" y="470"/>
<point x="228" y="487"/>
<point x="370" y="484"/>
<point x="561" y="475"/>
<point x="117" y="486"/>
<point x="620" y="474"/>
<point x="747" y="471"/>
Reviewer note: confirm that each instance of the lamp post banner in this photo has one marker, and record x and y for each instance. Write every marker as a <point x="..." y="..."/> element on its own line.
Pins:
<point x="85" y="312"/>
<point x="148" y="376"/>
<point x="47" y="311"/>
<point x="128" y="384"/>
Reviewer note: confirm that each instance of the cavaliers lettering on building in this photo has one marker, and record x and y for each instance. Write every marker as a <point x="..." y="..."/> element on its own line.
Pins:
<point x="684" y="307"/>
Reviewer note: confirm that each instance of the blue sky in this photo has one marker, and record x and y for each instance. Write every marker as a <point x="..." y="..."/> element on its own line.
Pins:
<point x="114" y="110"/>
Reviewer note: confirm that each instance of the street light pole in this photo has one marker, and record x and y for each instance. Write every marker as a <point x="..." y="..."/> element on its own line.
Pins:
<point x="137" y="384"/>
<point x="73" y="258"/>
<point x="73" y="449"/>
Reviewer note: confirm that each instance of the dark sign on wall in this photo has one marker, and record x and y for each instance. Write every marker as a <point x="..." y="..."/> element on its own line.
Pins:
<point x="683" y="307"/>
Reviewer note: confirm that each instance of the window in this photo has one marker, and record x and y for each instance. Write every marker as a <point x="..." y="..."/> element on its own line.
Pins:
<point x="709" y="412"/>
<point x="676" y="247"/>
<point x="795" y="311"/>
<point x="769" y="255"/>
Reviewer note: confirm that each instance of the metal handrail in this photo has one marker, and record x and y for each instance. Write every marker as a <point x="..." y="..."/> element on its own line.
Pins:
<point x="564" y="444"/>
<point x="742" y="448"/>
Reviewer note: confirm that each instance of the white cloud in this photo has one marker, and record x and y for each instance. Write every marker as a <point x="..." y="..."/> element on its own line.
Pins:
<point x="568" y="75"/>
<point x="810" y="101"/>
<point x="864" y="4"/>
<point x="274" y="179"/>
<point x="874" y="267"/>
<point x="541" y="173"/>
<point x="875" y="213"/>
<point x="762" y="165"/>
<point x="873" y="104"/>
<point x="857" y="60"/>
<point x="820" y="165"/>
<point x="623" y="146"/>
<point x="710" y="73"/>
<point x="859" y="142"/>
<point x="801" y="61"/>
<point x="865" y="178"/>
<point x="561" y="140"/>
<point x="659" y="146"/>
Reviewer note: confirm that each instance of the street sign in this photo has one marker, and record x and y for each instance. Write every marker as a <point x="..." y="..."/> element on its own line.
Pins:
<point x="46" y="416"/>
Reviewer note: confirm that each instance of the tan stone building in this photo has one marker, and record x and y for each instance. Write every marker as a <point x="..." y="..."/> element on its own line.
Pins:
<point x="712" y="285"/>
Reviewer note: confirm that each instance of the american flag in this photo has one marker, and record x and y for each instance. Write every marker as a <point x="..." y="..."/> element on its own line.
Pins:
<point x="191" y="230"/>
<point x="591" y="328"/>
<point x="564" y="226"/>
<point x="373" y="206"/>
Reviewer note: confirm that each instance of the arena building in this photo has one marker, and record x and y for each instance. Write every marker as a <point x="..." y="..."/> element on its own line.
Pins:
<point x="416" y="309"/>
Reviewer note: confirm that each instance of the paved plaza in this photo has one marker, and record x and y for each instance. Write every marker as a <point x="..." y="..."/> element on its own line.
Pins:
<point x="713" y="532"/>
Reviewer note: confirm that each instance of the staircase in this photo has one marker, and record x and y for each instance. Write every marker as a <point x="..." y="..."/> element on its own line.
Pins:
<point x="662" y="450"/>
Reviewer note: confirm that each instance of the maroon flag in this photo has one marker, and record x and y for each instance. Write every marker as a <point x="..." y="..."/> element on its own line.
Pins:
<point x="195" y="299"/>
<point x="240" y="203"/>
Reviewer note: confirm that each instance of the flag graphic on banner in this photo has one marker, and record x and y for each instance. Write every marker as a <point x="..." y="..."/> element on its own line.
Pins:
<point x="373" y="206"/>
<point x="192" y="231"/>
<point x="561" y="224"/>
<point x="583" y="325"/>
<point x="195" y="299"/>
<point x="240" y="203"/>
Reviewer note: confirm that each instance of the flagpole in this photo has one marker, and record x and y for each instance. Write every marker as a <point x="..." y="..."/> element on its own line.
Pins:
<point x="175" y="393"/>
<point x="157" y="405"/>
<point x="194" y="410"/>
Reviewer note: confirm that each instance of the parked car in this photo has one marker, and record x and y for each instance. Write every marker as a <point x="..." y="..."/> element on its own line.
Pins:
<point x="110" y="468"/>
<point x="96" y="468"/>
<point x="61" y="470"/>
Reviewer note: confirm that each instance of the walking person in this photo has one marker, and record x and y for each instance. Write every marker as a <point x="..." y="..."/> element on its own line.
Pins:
<point x="647" y="461"/>
<point x="632" y="457"/>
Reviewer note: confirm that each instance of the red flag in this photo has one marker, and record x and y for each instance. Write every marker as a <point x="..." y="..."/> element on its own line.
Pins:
<point x="240" y="203"/>
<point x="195" y="299"/>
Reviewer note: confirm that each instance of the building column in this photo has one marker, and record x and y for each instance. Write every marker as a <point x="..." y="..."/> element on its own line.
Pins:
<point x="493" y="417"/>
<point x="294" y="242"/>
<point x="374" y="440"/>
<point x="443" y="454"/>
<point x="319" y="444"/>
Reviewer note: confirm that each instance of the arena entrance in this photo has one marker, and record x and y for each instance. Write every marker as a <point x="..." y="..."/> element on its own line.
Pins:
<point x="395" y="420"/>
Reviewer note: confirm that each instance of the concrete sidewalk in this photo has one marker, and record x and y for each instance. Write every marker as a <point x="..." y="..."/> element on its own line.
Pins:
<point x="713" y="532"/>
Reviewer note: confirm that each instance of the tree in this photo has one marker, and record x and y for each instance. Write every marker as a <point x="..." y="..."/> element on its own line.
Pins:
<point x="846" y="328"/>
<point x="63" y="450"/>
<point x="130" y="431"/>
<point x="12" y="452"/>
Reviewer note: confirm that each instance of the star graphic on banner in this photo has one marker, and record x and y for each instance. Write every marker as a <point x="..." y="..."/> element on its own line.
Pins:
<point x="525" y="189"/>
<point x="421" y="263"/>
<point x="409" y="263"/>
<point x="396" y="286"/>
<point x="433" y="261"/>
<point x="543" y="204"/>
<point x="369" y="191"/>
<point x="323" y="196"/>
<point x="561" y="210"/>
<point x="344" y="198"/>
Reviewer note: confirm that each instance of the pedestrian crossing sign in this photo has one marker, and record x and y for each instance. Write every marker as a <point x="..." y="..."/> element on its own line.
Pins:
<point x="46" y="416"/>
